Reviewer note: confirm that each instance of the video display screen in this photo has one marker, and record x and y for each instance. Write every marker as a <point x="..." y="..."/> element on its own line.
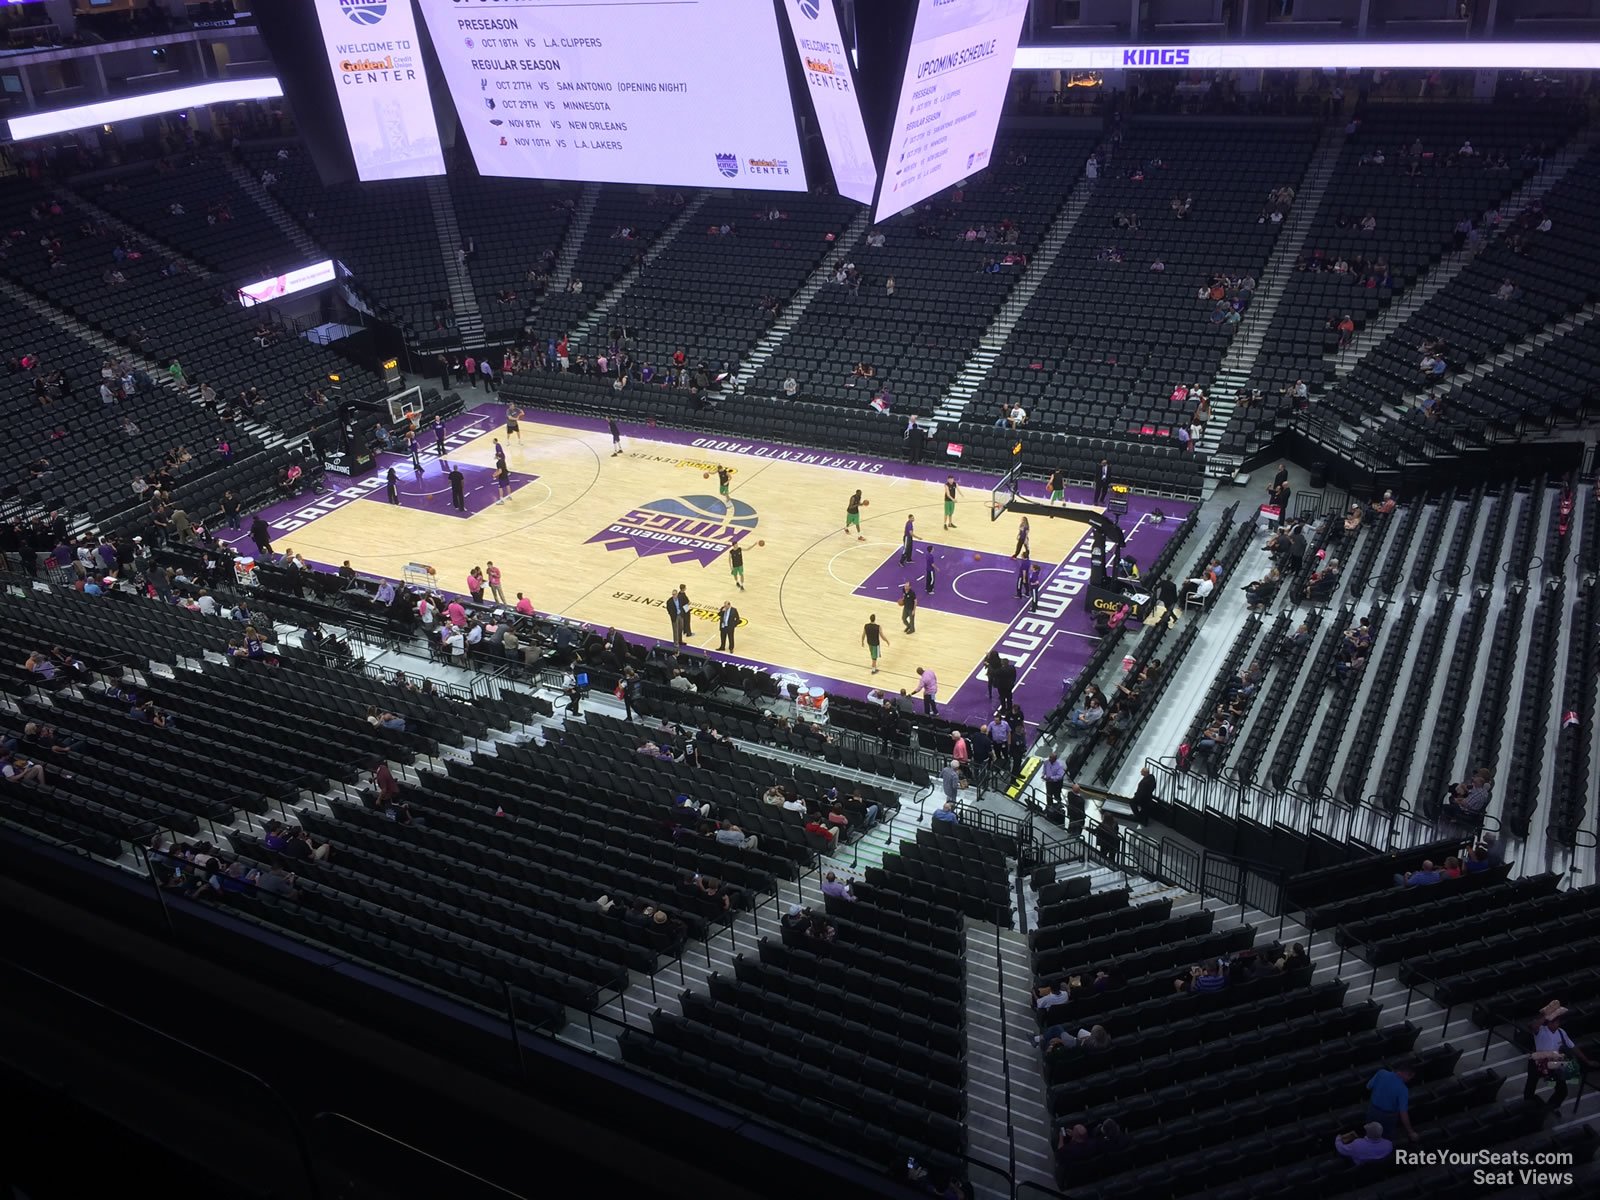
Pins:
<point x="950" y="97"/>
<point x="376" y="61"/>
<point x="682" y="93"/>
<point x="814" y="25"/>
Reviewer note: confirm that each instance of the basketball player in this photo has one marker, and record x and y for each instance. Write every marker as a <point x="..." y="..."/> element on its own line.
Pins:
<point x="872" y="638"/>
<point x="502" y="481"/>
<point x="513" y="419"/>
<point x="392" y="481"/>
<point x="930" y="574"/>
<point x="949" y="502"/>
<point x="906" y="548"/>
<point x="458" y="490"/>
<point x="852" y="515"/>
<point x="908" y="608"/>
<point x="736" y="565"/>
<point x="499" y="453"/>
<point x="1022" y="539"/>
<point x="1022" y="572"/>
<point x="1058" y="485"/>
<point x="416" y="454"/>
<point x="724" y="478"/>
<point x="1035" y="577"/>
<point x="616" y="436"/>
<point x="438" y="435"/>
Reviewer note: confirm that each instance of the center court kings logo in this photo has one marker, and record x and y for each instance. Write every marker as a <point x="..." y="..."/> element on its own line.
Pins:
<point x="364" y="12"/>
<point x="684" y="528"/>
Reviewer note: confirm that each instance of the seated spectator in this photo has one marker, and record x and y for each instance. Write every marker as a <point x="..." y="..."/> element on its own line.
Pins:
<point x="1297" y="641"/>
<point x="277" y="882"/>
<point x="1198" y="589"/>
<point x="1367" y="1146"/>
<point x="300" y="846"/>
<point x="1074" y="1146"/>
<point x="1086" y="719"/>
<point x="385" y="720"/>
<point x="1261" y="593"/>
<point x="947" y="813"/>
<point x="833" y="886"/>
<point x="18" y="769"/>
<point x="1382" y="507"/>
<point x="818" y="829"/>
<point x="1421" y="877"/>
<point x="1210" y="979"/>
<point x="1058" y="1040"/>
<point x="1323" y="583"/>
<point x="1049" y="997"/>
<point x="713" y="894"/>
<point x="1488" y="853"/>
<point x="729" y="834"/>
<point x="1466" y="802"/>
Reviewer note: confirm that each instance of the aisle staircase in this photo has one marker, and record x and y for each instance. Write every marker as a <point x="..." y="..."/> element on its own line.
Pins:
<point x="1529" y="345"/>
<point x="598" y="315"/>
<point x="982" y="360"/>
<point x="1446" y="270"/>
<point x="138" y="238"/>
<point x="577" y="230"/>
<point x="1233" y="376"/>
<point x="251" y="186"/>
<point x="463" y="298"/>
<point x="764" y="349"/>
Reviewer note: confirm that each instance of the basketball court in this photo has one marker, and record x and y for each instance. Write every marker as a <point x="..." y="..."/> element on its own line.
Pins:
<point x="604" y="539"/>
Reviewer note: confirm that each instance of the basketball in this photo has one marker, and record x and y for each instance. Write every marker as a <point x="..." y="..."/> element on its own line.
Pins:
<point x="761" y="542"/>
<point x="707" y="475"/>
<point x="864" y="503"/>
<point x="977" y="558"/>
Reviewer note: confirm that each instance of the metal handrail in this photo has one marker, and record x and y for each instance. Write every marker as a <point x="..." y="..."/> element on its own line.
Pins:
<point x="340" y="1118"/>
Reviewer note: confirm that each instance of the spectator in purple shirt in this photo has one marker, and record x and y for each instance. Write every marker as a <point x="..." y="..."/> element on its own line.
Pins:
<point x="832" y="887"/>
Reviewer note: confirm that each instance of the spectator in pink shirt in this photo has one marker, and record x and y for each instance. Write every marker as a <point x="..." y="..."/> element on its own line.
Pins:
<point x="456" y="613"/>
<point x="494" y="584"/>
<point x="524" y="605"/>
<point x="928" y="685"/>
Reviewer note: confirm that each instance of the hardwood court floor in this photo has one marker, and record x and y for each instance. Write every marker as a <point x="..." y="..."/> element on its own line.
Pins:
<point x="804" y="604"/>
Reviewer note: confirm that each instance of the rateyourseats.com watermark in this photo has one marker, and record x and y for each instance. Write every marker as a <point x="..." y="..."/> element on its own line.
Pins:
<point x="1497" y="1168"/>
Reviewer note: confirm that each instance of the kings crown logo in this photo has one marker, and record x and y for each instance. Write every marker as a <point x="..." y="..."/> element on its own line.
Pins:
<point x="684" y="528"/>
<point x="728" y="164"/>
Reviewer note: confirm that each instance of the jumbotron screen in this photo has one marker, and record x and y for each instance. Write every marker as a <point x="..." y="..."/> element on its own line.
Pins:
<point x="825" y="63"/>
<point x="378" y="75"/>
<point x="954" y="86"/>
<point x="682" y="93"/>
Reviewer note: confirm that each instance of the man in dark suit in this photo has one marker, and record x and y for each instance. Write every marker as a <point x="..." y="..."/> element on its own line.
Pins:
<point x="685" y="611"/>
<point x="458" y="490"/>
<point x="1102" y="481"/>
<point x="675" y="614"/>
<point x="727" y="624"/>
<point x="1144" y="796"/>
